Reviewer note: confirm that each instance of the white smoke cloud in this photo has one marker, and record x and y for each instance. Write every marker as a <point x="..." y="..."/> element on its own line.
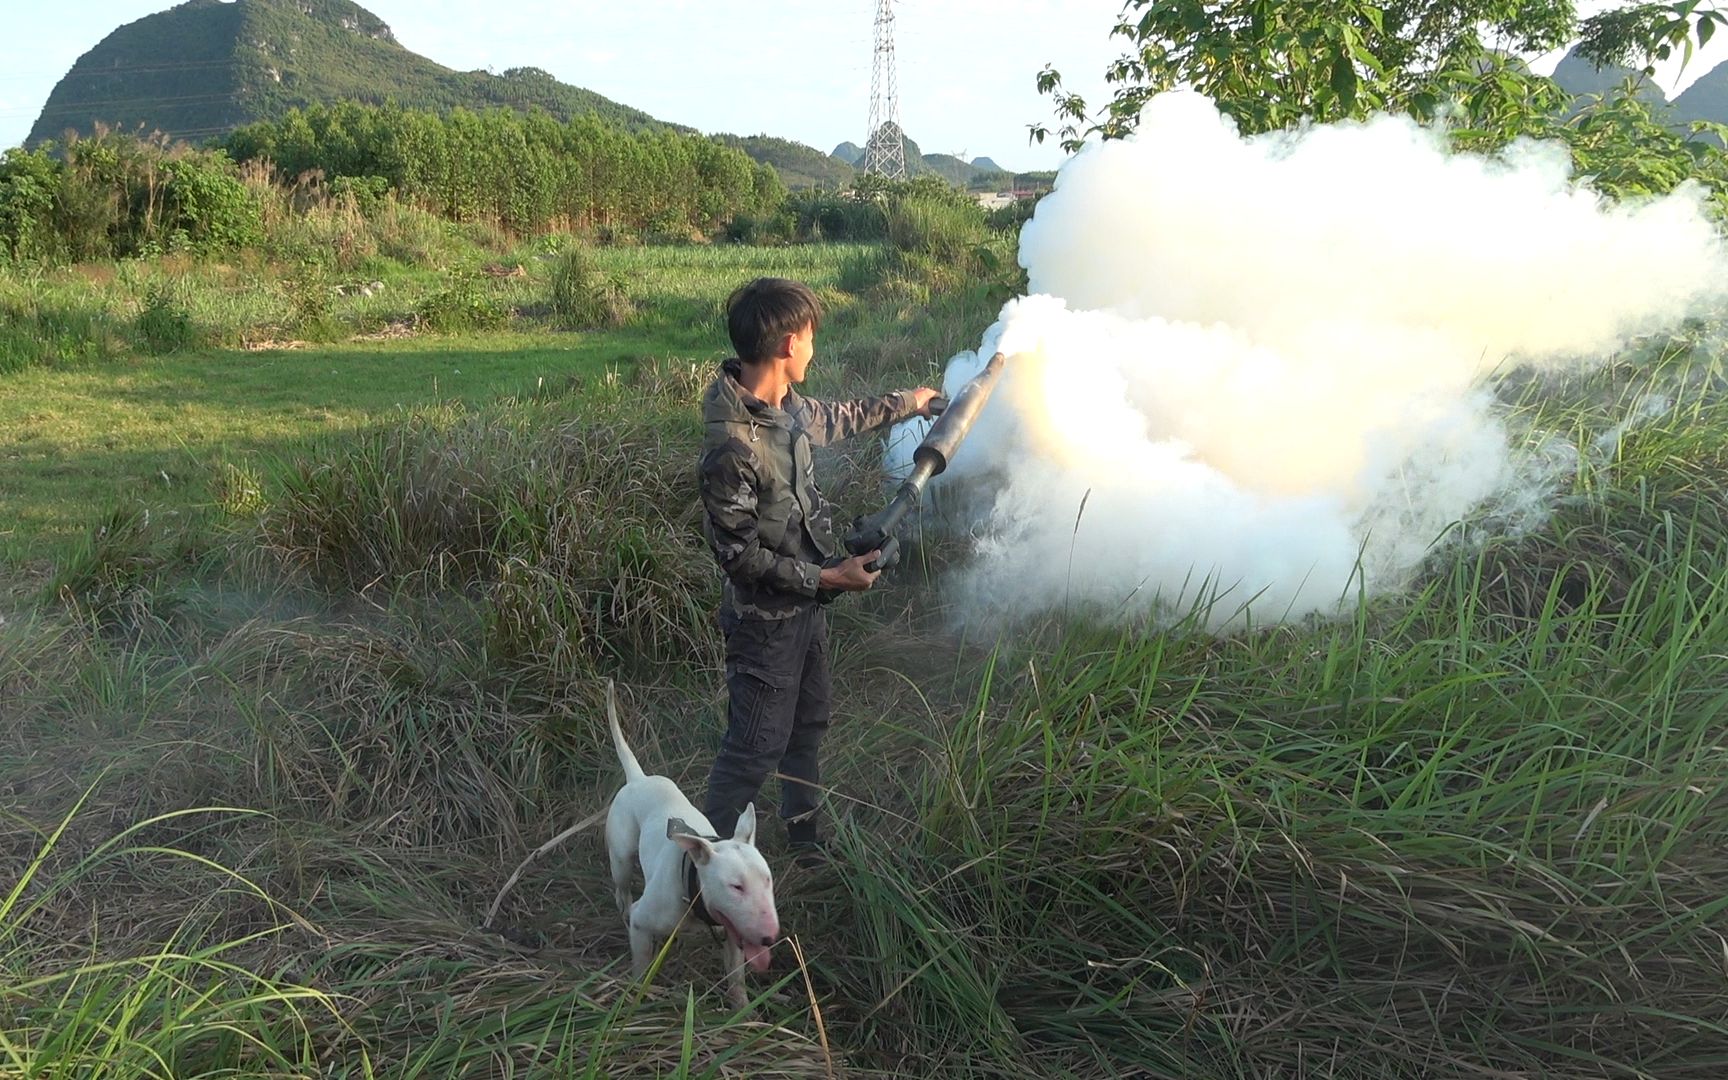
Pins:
<point x="1261" y="363"/>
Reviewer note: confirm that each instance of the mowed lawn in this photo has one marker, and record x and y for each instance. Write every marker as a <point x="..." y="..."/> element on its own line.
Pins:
<point x="162" y="432"/>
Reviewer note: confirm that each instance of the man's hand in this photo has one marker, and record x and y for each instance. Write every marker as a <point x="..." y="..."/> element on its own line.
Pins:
<point x="921" y="399"/>
<point x="850" y="575"/>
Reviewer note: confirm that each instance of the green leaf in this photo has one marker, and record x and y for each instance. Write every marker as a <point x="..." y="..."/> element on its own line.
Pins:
<point x="1368" y="60"/>
<point x="1344" y="80"/>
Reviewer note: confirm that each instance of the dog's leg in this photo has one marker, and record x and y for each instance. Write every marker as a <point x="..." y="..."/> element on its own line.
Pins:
<point x="621" y="866"/>
<point x="621" y="838"/>
<point x="643" y="943"/>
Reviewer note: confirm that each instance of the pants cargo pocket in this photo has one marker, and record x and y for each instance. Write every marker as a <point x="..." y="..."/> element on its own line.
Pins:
<point x="761" y="707"/>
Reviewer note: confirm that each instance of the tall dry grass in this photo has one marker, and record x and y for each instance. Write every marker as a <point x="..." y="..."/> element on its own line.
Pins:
<point x="1477" y="829"/>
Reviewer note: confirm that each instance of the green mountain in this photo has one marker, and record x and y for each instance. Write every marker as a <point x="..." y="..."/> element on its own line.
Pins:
<point x="206" y="67"/>
<point x="948" y="167"/>
<point x="1706" y="99"/>
<point x="799" y="166"/>
<point x="956" y="171"/>
<point x="1582" y="78"/>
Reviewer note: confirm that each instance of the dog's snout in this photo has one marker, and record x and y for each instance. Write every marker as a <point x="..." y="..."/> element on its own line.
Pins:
<point x="767" y="941"/>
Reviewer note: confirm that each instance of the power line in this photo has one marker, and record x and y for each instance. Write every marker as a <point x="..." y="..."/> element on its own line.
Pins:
<point x="136" y="99"/>
<point x="93" y="69"/>
<point x="71" y="113"/>
<point x="191" y="134"/>
<point x="142" y="100"/>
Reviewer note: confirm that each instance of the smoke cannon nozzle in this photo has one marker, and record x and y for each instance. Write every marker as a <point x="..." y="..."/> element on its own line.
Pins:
<point x="954" y="420"/>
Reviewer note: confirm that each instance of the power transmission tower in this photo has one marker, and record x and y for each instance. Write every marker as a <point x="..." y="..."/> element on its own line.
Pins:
<point x="885" y="150"/>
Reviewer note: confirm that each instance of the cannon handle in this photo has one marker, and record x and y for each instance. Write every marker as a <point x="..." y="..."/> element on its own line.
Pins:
<point x="889" y="555"/>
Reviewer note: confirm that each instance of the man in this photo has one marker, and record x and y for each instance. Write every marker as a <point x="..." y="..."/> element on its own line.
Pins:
<point x="773" y="536"/>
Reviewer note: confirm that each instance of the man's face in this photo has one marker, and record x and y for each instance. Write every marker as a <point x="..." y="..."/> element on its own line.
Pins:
<point x="803" y="347"/>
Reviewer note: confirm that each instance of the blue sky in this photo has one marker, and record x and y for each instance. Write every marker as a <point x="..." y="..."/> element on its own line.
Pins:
<point x="799" y="69"/>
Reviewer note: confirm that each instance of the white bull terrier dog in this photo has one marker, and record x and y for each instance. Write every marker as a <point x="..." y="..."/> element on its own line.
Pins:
<point x="687" y="871"/>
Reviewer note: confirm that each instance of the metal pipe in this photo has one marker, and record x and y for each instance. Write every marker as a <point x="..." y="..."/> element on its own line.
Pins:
<point x="877" y="531"/>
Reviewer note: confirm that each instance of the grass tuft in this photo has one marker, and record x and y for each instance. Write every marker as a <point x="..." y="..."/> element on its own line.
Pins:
<point x="583" y="298"/>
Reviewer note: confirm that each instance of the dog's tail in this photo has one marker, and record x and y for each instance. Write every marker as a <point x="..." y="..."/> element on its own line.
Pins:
<point x="632" y="767"/>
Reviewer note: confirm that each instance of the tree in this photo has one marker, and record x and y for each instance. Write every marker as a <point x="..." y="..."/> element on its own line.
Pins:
<point x="1270" y="64"/>
<point x="29" y="180"/>
<point x="524" y="171"/>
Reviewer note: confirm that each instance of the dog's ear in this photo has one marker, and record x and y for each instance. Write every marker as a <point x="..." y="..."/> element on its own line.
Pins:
<point x="745" y="832"/>
<point x="685" y="837"/>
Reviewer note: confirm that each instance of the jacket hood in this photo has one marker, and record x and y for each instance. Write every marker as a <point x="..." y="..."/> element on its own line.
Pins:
<point x="727" y="402"/>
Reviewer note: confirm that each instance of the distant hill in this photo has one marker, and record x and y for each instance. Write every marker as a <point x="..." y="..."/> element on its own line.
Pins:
<point x="799" y="166"/>
<point x="1582" y="78"/>
<point x="206" y="67"/>
<point x="949" y="168"/>
<point x="1706" y="99"/>
<point x="981" y="170"/>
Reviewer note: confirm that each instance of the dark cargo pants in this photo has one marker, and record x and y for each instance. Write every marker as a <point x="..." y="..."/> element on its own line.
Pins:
<point x="779" y="695"/>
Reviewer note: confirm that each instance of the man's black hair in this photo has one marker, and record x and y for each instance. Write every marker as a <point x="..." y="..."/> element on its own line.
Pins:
<point x="760" y="313"/>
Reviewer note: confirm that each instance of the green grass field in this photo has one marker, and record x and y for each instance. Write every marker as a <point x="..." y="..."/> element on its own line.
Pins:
<point x="160" y="432"/>
<point x="163" y="432"/>
<point x="271" y="754"/>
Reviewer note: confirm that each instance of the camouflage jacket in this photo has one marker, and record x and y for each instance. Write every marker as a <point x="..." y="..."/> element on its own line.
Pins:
<point x="767" y="522"/>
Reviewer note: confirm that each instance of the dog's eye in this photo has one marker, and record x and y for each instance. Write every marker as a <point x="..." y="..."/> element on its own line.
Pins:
<point x="737" y="886"/>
